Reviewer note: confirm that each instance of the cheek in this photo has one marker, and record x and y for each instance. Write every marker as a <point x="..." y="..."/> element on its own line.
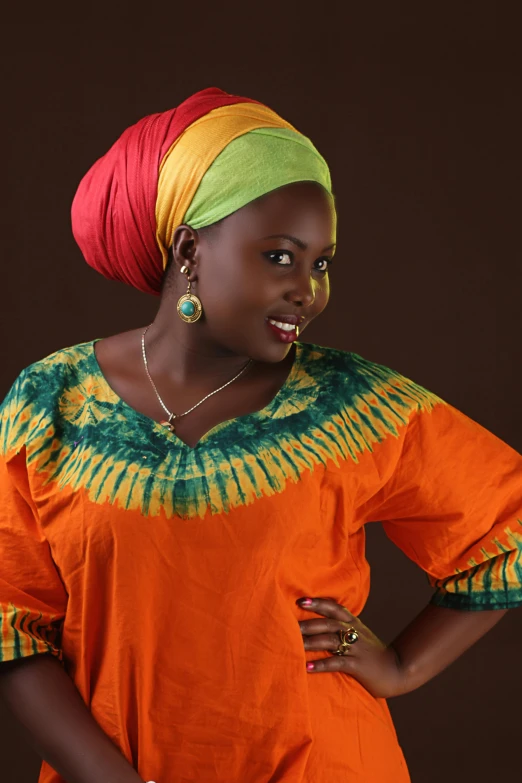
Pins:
<point x="235" y="286"/>
<point x="322" y="294"/>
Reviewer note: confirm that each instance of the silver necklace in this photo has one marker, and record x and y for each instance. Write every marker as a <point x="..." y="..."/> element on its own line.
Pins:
<point x="169" y="424"/>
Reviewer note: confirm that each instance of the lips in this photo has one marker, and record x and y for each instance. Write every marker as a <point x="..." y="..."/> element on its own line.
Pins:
<point x="286" y="330"/>
<point x="288" y="319"/>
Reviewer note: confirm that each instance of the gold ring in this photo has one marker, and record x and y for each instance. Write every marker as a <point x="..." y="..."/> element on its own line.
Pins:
<point x="347" y="637"/>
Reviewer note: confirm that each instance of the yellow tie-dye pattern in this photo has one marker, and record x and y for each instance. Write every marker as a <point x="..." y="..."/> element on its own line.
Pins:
<point x="223" y="484"/>
<point x="24" y="632"/>
<point x="79" y="435"/>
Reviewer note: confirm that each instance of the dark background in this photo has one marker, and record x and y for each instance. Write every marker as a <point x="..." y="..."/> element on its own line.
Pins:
<point x="417" y="111"/>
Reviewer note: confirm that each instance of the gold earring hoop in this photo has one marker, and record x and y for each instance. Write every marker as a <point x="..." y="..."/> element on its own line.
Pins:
<point x="189" y="305"/>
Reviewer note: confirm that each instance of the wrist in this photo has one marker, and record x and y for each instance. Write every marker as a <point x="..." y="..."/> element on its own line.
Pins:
<point x="408" y="676"/>
<point x="403" y="676"/>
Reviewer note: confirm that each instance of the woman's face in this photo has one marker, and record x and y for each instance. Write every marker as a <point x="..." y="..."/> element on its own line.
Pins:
<point x="268" y="260"/>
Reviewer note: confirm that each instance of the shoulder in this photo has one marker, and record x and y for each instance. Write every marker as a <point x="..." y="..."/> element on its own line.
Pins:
<point x="48" y="376"/>
<point x="356" y="382"/>
<point x="35" y="395"/>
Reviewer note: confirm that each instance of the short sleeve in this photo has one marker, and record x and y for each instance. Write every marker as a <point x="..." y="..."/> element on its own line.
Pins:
<point x="454" y="506"/>
<point x="32" y="595"/>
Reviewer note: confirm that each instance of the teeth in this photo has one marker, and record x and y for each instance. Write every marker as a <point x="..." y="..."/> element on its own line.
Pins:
<point x="280" y="325"/>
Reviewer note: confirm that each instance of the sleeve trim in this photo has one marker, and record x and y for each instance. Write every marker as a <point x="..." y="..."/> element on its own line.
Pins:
<point x="478" y="603"/>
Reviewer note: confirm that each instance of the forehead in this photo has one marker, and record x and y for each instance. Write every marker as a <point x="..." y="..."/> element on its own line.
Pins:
<point x="303" y="209"/>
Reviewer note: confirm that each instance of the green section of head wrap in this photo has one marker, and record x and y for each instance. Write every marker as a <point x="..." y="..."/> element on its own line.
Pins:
<point x="251" y="166"/>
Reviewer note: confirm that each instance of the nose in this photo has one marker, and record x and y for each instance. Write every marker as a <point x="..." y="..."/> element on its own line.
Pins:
<point x="302" y="292"/>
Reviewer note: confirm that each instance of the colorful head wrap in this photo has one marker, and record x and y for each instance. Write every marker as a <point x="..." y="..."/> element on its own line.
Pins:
<point x="195" y="164"/>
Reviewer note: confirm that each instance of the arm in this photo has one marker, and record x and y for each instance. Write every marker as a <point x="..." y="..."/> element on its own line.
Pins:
<point x="45" y="700"/>
<point x="436" y="638"/>
<point x="453" y="505"/>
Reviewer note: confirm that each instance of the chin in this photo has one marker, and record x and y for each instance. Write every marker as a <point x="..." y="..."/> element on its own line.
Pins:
<point x="269" y="353"/>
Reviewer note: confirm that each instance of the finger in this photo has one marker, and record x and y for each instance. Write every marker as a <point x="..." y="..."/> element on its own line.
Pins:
<point x="322" y="625"/>
<point x="337" y="663"/>
<point x="327" y="607"/>
<point x="327" y="641"/>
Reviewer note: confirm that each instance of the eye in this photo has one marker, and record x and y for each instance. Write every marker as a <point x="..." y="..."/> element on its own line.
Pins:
<point x="276" y="255"/>
<point x="326" y="261"/>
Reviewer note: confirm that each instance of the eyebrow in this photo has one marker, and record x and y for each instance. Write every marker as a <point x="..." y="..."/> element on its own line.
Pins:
<point x="298" y="242"/>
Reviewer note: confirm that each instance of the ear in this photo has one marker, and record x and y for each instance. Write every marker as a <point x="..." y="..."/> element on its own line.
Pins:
<point x="184" y="249"/>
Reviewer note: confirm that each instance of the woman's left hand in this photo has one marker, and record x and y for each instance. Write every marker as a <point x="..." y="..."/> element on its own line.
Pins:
<point x="371" y="662"/>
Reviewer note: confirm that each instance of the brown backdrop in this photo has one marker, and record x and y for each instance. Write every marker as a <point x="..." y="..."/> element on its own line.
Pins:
<point x="418" y="117"/>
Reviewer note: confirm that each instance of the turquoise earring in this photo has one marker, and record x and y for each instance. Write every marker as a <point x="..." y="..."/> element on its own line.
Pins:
<point x="189" y="305"/>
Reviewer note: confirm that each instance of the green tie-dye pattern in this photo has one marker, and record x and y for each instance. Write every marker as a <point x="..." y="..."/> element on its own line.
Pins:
<point x="27" y="633"/>
<point x="491" y="584"/>
<point x="78" y="433"/>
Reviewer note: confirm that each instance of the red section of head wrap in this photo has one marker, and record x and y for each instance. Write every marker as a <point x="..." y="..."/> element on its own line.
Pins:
<point x="113" y="211"/>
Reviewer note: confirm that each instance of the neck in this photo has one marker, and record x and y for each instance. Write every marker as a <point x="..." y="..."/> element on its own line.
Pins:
<point x="183" y="354"/>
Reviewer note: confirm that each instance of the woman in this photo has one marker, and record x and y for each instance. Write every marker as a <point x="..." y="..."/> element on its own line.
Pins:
<point x="182" y="528"/>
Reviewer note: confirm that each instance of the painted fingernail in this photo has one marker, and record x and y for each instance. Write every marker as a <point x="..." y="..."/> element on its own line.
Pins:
<point x="310" y="667"/>
<point x="306" y="601"/>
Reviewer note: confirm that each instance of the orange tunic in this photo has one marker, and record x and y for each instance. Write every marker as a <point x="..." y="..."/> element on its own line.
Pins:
<point x="164" y="577"/>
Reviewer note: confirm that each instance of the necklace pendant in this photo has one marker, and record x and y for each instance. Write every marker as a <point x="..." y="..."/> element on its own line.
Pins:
<point x="169" y="425"/>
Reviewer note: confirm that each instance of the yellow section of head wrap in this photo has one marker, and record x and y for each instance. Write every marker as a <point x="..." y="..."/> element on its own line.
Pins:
<point x="190" y="156"/>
